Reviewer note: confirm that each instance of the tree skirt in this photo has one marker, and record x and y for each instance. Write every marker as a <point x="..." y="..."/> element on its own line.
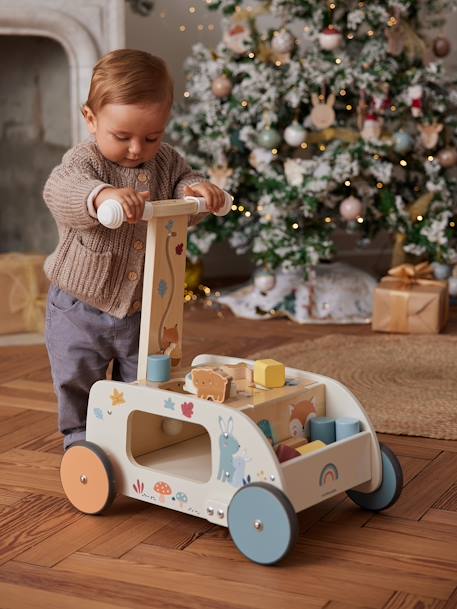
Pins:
<point x="338" y="293"/>
<point x="407" y="384"/>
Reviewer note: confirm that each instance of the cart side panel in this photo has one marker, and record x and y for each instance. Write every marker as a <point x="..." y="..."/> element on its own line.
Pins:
<point x="336" y="468"/>
<point x="238" y="452"/>
<point x="340" y="402"/>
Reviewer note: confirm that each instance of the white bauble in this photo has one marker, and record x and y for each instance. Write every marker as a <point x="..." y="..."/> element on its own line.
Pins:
<point x="283" y="42"/>
<point x="264" y="280"/>
<point x="351" y="208"/>
<point x="330" y="39"/>
<point x="294" y="134"/>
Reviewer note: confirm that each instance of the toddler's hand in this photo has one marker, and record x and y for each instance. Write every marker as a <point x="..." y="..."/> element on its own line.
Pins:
<point x="213" y="195"/>
<point x="132" y="201"/>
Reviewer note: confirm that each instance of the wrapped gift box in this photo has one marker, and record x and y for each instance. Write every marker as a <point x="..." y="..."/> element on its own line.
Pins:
<point x="410" y="302"/>
<point x="24" y="288"/>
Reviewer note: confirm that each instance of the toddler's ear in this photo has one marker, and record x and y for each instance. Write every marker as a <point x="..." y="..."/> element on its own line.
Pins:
<point x="90" y="118"/>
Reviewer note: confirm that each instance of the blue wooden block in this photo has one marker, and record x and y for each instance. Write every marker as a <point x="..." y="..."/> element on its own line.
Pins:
<point x="158" y="368"/>
<point x="346" y="427"/>
<point x="323" y="429"/>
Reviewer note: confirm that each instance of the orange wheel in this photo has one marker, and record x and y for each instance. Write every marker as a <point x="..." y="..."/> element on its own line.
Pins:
<point x="87" y="477"/>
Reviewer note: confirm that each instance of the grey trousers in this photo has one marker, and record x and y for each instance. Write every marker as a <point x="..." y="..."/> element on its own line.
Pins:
<point x="81" y="341"/>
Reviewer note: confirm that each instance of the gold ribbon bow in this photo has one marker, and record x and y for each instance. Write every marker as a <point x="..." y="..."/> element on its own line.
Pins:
<point x="412" y="273"/>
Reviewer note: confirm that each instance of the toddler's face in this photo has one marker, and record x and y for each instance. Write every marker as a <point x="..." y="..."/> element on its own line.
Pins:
<point x="129" y="134"/>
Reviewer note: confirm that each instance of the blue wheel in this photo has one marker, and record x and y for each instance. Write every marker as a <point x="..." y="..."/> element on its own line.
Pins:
<point x="389" y="491"/>
<point x="262" y="522"/>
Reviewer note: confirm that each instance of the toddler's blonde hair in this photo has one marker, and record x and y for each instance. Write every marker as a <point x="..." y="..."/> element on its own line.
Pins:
<point x="129" y="76"/>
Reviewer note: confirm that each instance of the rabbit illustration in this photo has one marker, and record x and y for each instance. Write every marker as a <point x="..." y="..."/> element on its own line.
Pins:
<point x="239" y="463"/>
<point x="228" y="445"/>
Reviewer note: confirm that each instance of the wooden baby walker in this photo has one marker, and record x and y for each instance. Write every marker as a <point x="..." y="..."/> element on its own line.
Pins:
<point x="245" y="444"/>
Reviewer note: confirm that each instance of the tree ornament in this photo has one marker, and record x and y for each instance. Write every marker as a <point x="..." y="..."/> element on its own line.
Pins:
<point x="322" y="114"/>
<point x="447" y="157"/>
<point x="402" y="142"/>
<point x="330" y="38"/>
<point x="441" y="46"/>
<point x="264" y="280"/>
<point x="395" y="40"/>
<point x="371" y="128"/>
<point x="238" y="38"/>
<point x="415" y="93"/>
<point x="429" y="134"/>
<point x="222" y="86"/>
<point x="294" y="134"/>
<point x="351" y="208"/>
<point x="269" y="138"/>
<point x="283" y="42"/>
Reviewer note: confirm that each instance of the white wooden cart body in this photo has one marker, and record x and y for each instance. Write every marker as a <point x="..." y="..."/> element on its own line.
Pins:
<point x="191" y="468"/>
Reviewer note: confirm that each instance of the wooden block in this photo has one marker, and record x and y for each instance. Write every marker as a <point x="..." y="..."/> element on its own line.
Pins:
<point x="269" y="373"/>
<point x="284" y="453"/>
<point x="311" y="447"/>
<point x="294" y="442"/>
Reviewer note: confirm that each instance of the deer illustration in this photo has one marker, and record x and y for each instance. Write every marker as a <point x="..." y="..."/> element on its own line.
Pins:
<point x="228" y="445"/>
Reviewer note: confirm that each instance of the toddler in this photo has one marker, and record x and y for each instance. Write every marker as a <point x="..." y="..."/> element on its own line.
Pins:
<point x="94" y="301"/>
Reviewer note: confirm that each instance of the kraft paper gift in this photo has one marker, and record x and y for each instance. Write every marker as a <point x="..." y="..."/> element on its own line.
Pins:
<point x="410" y="302"/>
<point x="23" y="288"/>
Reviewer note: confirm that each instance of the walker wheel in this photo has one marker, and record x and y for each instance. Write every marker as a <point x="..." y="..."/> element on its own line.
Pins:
<point x="262" y="523"/>
<point x="87" y="477"/>
<point x="391" y="485"/>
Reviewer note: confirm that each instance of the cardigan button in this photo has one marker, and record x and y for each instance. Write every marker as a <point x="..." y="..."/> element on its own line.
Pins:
<point x="132" y="276"/>
<point x="136" y="306"/>
<point x="138" y="245"/>
<point x="142" y="177"/>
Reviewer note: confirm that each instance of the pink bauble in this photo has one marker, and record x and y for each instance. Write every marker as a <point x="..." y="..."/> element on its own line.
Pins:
<point x="441" y="46"/>
<point x="447" y="157"/>
<point x="351" y="208"/>
<point x="222" y="86"/>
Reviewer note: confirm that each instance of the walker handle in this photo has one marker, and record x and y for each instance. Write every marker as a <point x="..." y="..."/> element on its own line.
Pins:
<point x="111" y="214"/>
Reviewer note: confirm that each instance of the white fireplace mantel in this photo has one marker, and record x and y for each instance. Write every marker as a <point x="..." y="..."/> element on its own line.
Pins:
<point x="86" y="30"/>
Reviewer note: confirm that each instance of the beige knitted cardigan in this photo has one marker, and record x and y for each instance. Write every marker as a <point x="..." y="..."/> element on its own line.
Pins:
<point x="100" y="266"/>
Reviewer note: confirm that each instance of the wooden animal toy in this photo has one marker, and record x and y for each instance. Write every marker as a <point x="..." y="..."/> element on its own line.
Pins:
<point x="211" y="384"/>
<point x="157" y="442"/>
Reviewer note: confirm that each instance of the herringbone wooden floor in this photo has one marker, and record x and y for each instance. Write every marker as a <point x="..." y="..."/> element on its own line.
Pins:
<point x="138" y="555"/>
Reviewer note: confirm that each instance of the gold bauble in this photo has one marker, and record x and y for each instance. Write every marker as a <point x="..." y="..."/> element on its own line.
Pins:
<point x="193" y="275"/>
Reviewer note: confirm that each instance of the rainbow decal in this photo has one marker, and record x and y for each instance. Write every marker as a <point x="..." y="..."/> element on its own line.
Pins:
<point x="328" y="474"/>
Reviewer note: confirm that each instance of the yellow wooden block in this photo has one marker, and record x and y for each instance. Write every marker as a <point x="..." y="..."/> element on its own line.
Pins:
<point x="269" y="373"/>
<point x="311" y="447"/>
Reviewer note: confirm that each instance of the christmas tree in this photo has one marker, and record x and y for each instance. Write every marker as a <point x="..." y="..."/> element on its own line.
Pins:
<point x="341" y="114"/>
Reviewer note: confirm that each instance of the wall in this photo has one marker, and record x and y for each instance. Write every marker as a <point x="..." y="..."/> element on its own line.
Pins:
<point x="34" y="133"/>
